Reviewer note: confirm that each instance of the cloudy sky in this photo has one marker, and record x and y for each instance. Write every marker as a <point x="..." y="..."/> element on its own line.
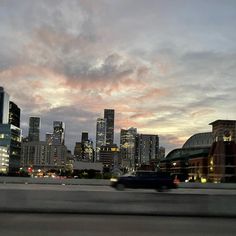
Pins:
<point x="167" y="67"/>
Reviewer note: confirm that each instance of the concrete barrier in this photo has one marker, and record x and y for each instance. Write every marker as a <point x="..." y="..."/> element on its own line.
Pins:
<point x="208" y="185"/>
<point x="116" y="202"/>
<point x="29" y="180"/>
<point x="103" y="182"/>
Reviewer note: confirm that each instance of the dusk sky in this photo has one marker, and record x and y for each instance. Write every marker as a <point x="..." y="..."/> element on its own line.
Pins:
<point x="167" y="67"/>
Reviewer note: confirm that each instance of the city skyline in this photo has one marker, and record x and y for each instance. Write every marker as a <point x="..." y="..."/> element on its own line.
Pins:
<point x="165" y="67"/>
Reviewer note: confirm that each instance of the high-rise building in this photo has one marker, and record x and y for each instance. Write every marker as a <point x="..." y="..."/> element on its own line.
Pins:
<point x="4" y="156"/>
<point x="10" y="134"/>
<point x="10" y="139"/>
<point x="4" y="106"/>
<point x="34" y="129"/>
<point x="109" y="156"/>
<point x="49" y="138"/>
<point x="78" y="151"/>
<point x="147" y="149"/>
<point x="84" y="150"/>
<point x="100" y="135"/>
<point x="58" y="132"/>
<point x="40" y="155"/>
<point x="109" y="116"/>
<point x="84" y="137"/>
<point x="14" y="114"/>
<point x="87" y="151"/>
<point x="127" y="147"/>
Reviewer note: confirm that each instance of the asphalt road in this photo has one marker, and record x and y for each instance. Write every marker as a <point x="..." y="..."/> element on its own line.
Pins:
<point x="103" y="225"/>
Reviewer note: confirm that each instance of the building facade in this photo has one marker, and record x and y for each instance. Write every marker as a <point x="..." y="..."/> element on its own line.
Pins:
<point x="34" y="129"/>
<point x="147" y="149"/>
<point x="49" y="138"/>
<point x="127" y="148"/>
<point x="78" y="151"/>
<point x="4" y="106"/>
<point x="58" y="133"/>
<point x="40" y="155"/>
<point x="84" y="137"/>
<point x="10" y="140"/>
<point x="109" y="116"/>
<point x="109" y="156"/>
<point x="4" y="159"/>
<point x="222" y="156"/>
<point x="14" y="114"/>
<point x="10" y="134"/>
<point x="100" y="136"/>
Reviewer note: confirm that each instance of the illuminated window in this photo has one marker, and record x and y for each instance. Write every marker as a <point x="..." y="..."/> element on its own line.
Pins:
<point x="2" y="136"/>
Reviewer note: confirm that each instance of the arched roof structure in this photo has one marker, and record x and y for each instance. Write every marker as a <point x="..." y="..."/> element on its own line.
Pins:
<point x="199" y="140"/>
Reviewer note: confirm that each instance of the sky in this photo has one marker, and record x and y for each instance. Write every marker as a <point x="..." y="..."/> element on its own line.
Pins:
<point x="167" y="67"/>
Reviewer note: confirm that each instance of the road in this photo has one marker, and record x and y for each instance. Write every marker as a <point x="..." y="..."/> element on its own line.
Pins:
<point x="103" y="225"/>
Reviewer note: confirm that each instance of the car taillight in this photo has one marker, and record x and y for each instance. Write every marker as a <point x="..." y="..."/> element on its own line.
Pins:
<point x="176" y="180"/>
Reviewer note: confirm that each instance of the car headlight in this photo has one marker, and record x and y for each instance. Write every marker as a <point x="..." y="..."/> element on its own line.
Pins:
<point x="113" y="180"/>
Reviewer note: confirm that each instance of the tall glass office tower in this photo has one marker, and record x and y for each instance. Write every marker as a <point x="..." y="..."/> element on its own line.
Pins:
<point x="58" y="133"/>
<point x="100" y="135"/>
<point x="109" y="116"/>
<point x="14" y="114"/>
<point x="10" y="135"/>
<point x="34" y="129"/>
<point x="4" y="106"/>
<point x="127" y="147"/>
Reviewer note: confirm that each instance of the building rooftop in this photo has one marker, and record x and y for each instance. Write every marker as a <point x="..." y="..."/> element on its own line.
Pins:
<point x="222" y="121"/>
<point x="199" y="140"/>
<point x="187" y="153"/>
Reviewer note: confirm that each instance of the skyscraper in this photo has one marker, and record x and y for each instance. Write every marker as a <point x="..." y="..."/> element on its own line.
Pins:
<point x="127" y="147"/>
<point x="34" y="129"/>
<point x="10" y="134"/>
<point x="49" y="138"/>
<point x="100" y="135"/>
<point x="4" y="106"/>
<point x="78" y="151"/>
<point x="58" y="133"/>
<point x="84" y="137"/>
<point x="10" y="141"/>
<point x="109" y="116"/>
<point x="14" y="114"/>
<point x="147" y="149"/>
<point x="87" y="152"/>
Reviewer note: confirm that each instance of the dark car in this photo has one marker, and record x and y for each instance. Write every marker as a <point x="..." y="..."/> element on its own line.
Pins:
<point x="146" y="180"/>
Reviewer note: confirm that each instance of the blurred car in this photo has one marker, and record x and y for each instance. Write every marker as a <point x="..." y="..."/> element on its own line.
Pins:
<point x="145" y="179"/>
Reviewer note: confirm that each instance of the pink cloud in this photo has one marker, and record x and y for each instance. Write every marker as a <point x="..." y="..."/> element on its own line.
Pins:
<point x="202" y="112"/>
<point x="142" y="115"/>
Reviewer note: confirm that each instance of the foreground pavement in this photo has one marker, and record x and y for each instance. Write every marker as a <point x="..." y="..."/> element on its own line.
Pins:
<point x="104" y="225"/>
<point x="105" y="200"/>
